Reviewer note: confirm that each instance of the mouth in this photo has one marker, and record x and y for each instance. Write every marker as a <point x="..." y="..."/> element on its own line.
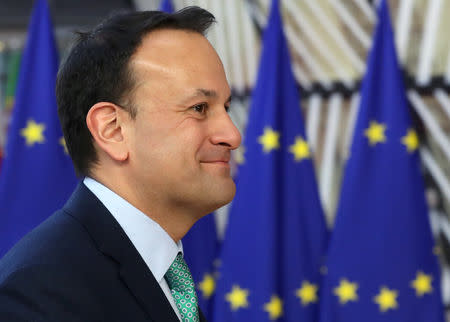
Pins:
<point x="217" y="160"/>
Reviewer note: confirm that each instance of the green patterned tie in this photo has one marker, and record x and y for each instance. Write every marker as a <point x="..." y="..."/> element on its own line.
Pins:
<point x="182" y="287"/>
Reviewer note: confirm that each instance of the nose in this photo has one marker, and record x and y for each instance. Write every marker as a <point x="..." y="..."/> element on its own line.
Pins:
<point x="224" y="132"/>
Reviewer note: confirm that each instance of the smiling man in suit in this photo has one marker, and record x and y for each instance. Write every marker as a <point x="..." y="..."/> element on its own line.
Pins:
<point x="143" y="101"/>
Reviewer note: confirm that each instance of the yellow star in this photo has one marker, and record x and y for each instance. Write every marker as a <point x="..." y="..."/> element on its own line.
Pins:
<point x="375" y="133"/>
<point x="411" y="141"/>
<point x="274" y="307"/>
<point x="64" y="145"/>
<point x="307" y="293"/>
<point x="239" y="155"/>
<point x="422" y="284"/>
<point x="207" y="286"/>
<point x="386" y="299"/>
<point x="33" y="133"/>
<point x="270" y="140"/>
<point x="300" y="149"/>
<point x="346" y="291"/>
<point x="237" y="298"/>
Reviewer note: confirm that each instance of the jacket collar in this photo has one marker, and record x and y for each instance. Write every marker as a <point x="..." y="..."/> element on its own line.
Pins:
<point x="112" y="241"/>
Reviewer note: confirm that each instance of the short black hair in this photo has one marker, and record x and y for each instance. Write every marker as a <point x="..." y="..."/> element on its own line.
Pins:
<point x="97" y="69"/>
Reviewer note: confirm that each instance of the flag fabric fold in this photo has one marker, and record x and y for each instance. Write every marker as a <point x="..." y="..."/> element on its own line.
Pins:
<point x="201" y="245"/>
<point x="380" y="264"/>
<point x="37" y="174"/>
<point x="276" y="234"/>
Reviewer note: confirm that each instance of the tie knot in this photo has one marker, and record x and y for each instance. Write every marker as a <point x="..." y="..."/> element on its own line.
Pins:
<point x="179" y="277"/>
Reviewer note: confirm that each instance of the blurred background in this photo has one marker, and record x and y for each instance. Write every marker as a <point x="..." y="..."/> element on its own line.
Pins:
<point x="329" y="41"/>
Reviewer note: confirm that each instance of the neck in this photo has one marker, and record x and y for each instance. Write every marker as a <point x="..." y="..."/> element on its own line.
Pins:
<point x="175" y="219"/>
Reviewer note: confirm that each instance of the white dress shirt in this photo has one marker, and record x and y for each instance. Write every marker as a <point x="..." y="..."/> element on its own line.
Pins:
<point x="153" y="243"/>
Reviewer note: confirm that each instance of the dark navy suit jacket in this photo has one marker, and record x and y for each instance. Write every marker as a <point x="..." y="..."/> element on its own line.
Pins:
<point x="79" y="265"/>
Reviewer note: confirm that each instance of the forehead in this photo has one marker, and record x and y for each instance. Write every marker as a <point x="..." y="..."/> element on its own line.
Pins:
<point x="179" y="57"/>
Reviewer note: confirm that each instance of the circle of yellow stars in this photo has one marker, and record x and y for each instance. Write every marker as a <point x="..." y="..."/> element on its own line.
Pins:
<point x="270" y="140"/>
<point x="346" y="291"/>
<point x="238" y="299"/>
<point x="386" y="299"/>
<point x="375" y="133"/>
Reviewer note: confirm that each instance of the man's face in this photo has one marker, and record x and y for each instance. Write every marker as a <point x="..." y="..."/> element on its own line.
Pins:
<point x="181" y="139"/>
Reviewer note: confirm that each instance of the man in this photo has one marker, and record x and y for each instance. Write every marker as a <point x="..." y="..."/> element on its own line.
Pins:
<point x="143" y="102"/>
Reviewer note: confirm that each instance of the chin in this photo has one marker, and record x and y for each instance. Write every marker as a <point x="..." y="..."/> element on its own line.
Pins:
<point x="221" y="195"/>
<point x="227" y="194"/>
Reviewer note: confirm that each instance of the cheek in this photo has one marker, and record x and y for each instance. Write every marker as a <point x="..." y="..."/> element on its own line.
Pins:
<point x="188" y="137"/>
<point x="170" y="146"/>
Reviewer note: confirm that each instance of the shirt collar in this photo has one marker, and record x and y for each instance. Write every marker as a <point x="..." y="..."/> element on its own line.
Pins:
<point x="153" y="243"/>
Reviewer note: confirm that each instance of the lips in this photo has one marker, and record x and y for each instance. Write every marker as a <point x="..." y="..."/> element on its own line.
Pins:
<point x="216" y="161"/>
<point x="216" y="158"/>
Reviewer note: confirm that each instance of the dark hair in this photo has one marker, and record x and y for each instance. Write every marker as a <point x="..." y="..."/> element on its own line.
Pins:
<point x="97" y="69"/>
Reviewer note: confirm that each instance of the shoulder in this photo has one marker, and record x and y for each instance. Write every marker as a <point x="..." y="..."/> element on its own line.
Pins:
<point x="60" y="242"/>
<point x="55" y="267"/>
<point x="64" y="238"/>
<point x="69" y="268"/>
<point x="57" y="240"/>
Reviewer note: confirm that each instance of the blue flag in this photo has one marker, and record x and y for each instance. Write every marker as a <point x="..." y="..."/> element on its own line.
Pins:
<point x="37" y="174"/>
<point x="276" y="235"/>
<point x="381" y="265"/>
<point x="166" y="6"/>
<point x="201" y="246"/>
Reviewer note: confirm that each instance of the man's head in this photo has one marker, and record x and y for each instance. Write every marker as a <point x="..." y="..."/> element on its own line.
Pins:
<point x="98" y="69"/>
<point x="142" y="101"/>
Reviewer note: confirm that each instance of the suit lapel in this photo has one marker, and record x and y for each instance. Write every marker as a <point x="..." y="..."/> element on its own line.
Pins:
<point x="113" y="242"/>
<point x="202" y="317"/>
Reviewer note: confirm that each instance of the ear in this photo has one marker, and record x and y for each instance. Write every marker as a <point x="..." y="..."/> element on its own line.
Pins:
<point x="105" y="121"/>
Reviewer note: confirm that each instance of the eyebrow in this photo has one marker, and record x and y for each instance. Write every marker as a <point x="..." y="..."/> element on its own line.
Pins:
<point x="206" y="92"/>
<point x="209" y="93"/>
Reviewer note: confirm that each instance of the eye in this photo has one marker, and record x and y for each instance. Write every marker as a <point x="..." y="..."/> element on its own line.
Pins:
<point x="200" y="108"/>
<point x="227" y="108"/>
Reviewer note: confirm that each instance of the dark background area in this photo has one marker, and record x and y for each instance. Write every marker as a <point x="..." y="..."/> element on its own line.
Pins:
<point x="14" y="14"/>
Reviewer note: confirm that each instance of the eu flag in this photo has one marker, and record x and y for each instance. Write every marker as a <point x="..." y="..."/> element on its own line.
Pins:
<point x="201" y="246"/>
<point x="276" y="235"/>
<point x="37" y="175"/>
<point x="381" y="265"/>
<point x="166" y="6"/>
